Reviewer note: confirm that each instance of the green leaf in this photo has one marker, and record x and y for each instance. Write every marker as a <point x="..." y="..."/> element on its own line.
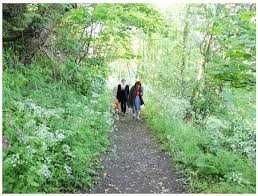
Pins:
<point x="33" y="183"/>
<point x="246" y="16"/>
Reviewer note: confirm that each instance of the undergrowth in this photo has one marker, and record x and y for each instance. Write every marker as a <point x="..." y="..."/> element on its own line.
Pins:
<point x="210" y="165"/>
<point x="52" y="133"/>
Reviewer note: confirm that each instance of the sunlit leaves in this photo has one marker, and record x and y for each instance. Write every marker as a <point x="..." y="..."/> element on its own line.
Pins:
<point x="234" y="34"/>
<point x="79" y="15"/>
<point x="246" y="16"/>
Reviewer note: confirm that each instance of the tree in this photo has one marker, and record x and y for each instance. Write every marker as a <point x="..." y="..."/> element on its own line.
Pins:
<point x="30" y="25"/>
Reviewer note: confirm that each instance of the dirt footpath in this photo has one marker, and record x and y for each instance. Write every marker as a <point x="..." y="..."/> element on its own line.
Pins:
<point x="135" y="163"/>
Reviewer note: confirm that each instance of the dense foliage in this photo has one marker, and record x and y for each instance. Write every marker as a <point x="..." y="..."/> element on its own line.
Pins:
<point x="199" y="77"/>
<point x="56" y="111"/>
<point x="218" y="157"/>
<point x="205" y="76"/>
<point x="197" y="65"/>
<point x="53" y="132"/>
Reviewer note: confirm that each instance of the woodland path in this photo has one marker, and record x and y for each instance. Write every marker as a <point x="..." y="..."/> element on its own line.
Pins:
<point x="135" y="163"/>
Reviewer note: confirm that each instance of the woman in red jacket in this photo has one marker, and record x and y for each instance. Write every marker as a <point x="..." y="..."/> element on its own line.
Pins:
<point x="135" y="98"/>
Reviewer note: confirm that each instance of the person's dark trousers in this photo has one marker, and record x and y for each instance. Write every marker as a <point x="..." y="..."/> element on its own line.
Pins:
<point x="123" y="106"/>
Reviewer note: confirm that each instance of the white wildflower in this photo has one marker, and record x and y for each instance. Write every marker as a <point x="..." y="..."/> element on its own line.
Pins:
<point x="44" y="146"/>
<point x="237" y="178"/>
<point x="57" y="165"/>
<point x="30" y="123"/>
<point x="43" y="132"/>
<point x="48" y="160"/>
<point x="66" y="148"/>
<point x="59" y="135"/>
<point x="21" y="106"/>
<point x="67" y="151"/>
<point x="31" y="151"/>
<point x="44" y="112"/>
<point x="13" y="160"/>
<point x="44" y="171"/>
<point x="68" y="169"/>
<point x="26" y="138"/>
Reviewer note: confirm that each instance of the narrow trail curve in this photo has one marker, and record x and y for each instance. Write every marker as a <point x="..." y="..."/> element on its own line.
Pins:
<point x="135" y="163"/>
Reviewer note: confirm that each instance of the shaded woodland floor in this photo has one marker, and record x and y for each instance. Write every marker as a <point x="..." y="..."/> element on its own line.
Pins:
<point x="135" y="163"/>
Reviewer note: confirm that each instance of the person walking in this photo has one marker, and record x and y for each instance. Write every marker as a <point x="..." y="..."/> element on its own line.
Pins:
<point x="131" y="99"/>
<point x="122" y="95"/>
<point x="135" y="99"/>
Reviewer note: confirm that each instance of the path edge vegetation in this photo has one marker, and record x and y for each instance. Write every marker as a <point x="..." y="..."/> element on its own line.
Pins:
<point x="56" y="111"/>
<point x="56" y="61"/>
<point x="200" y="93"/>
<point x="206" y="164"/>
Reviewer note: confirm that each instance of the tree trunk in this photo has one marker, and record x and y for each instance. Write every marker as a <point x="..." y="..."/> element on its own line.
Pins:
<point x="185" y="35"/>
<point x="34" y="43"/>
<point x="31" y="38"/>
<point x="86" y="52"/>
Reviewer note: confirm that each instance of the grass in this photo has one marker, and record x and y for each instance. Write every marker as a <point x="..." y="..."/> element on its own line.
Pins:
<point x="210" y="166"/>
<point x="55" y="133"/>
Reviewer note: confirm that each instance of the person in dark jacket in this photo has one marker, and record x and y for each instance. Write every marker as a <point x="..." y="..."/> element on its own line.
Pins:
<point x="131" y="99"/>
<point x="122" y="95"/>
<point x="135" y="98"/>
